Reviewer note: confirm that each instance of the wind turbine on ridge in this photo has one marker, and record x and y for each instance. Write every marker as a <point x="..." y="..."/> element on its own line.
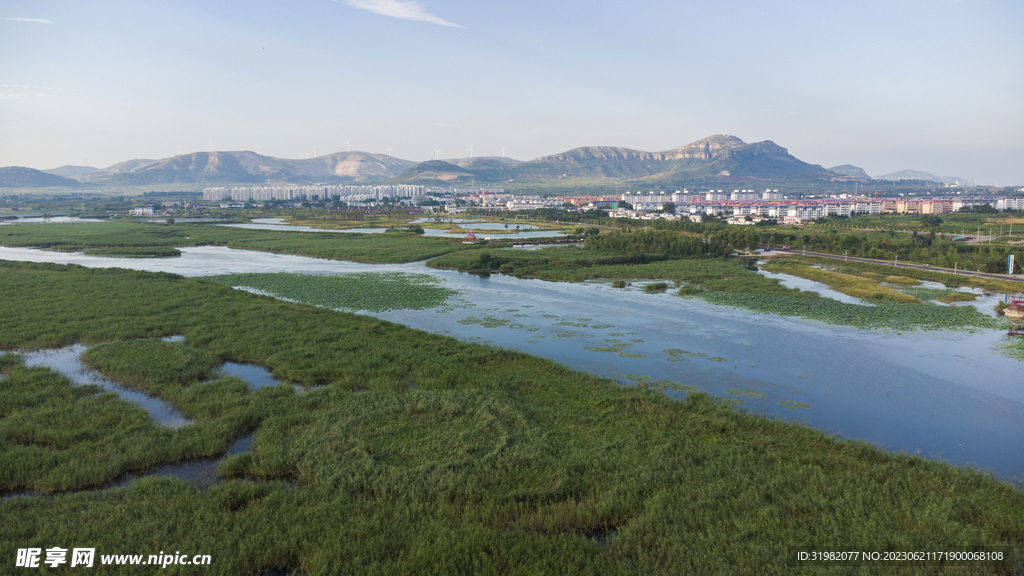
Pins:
<point x="314" y="150"/>
<point x="348" y="145"/>
<point x="437" y="154"/>
<point x="470" y="150"/>
<point x="389" y="150"/>
<point x="257" y="148"/>
<point x="502" y="151"/>
<point x="211" y="146"/>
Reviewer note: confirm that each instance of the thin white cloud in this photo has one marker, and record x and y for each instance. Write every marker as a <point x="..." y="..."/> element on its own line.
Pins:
<point x="409" y="10"/>
<point x="33" y="20"/>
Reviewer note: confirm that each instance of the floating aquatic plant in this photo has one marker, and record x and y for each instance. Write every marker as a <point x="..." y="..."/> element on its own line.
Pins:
<point x="371" y="291"/>
<point x="746" y="393"/>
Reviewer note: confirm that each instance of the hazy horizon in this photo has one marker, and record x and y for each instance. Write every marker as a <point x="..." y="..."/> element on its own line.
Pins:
<point x="930" y="85"/>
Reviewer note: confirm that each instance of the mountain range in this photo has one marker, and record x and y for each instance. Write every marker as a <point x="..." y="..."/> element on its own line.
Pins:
<point x="710" y="161"/>
<point x="21" y="177"/>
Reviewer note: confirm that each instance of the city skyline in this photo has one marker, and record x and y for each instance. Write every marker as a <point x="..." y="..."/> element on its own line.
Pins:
<point x="929" y="85"/>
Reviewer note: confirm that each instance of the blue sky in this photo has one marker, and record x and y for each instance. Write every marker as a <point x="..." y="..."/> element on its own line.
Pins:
<point x="933" y="85"/>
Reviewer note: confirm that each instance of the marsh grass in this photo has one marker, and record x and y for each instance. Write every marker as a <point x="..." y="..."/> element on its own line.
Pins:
<point x="882" y="271"/>
<point x="55" y="436"/>
<point x="902" y="280"/>
<point x="426" y="455"/>
<point x="884" y="314"/>
<point x="151" y="362"/>
<point x="940" y="294"/>
<point x="121" y="238"/>
<point x="849" y="284"/>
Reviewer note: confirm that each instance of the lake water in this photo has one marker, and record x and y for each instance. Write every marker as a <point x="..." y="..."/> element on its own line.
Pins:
<point x="477" y="225"/>
<point x="51" y="220"/>
<point x="948" y="395"/>
<point x="277" y="224"/>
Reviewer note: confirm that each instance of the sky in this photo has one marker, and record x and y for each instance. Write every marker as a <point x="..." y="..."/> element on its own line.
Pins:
<point x="886" y="85"/>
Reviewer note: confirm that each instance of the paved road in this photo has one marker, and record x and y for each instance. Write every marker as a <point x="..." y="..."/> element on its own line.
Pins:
<point x="1014" y="278"/>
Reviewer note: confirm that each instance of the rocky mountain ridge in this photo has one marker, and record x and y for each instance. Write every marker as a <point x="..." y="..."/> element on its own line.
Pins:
<point x="715" y="160"/>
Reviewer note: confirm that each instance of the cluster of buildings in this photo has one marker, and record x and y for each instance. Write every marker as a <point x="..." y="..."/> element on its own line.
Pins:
<point x="741" y="204"/>
<point x="501" y="201"/>
<point x="317" y="192"/>
<point x="337" y="192"/>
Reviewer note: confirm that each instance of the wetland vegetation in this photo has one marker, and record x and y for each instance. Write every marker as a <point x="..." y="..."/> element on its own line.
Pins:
<point x="697" y="263"/>
<point x="731" y="282"/>
<point x="121" y="238"/>
<point x="371" y="291"/>
<point x="421" y="451"/>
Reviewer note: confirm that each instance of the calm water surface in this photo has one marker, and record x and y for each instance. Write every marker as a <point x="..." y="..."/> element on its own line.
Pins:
<point x="67" y="361"/>
<point x="277" y="224"/>
<point x="51" y="220"/>
<point x="948" y="395"/>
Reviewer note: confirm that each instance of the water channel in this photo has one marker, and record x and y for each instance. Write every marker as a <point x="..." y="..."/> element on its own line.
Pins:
<point x="200" y="473"/>
<point x="526" y="229"/>
<point x="940" y="394"/>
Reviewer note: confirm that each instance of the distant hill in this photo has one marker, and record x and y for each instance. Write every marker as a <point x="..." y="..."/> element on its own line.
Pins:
<point x="922" y="176"/>
<point x="716" y="159"/>
<point x="851" y="171"/>
<point x="483" y="162"/>
<point x="435" y="173"/>
<point x="71" y="171"/>
<point x="247" y="167"/>
<point x="21" y="177"/>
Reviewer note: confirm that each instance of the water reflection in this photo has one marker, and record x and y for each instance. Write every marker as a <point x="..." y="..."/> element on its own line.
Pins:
<point x="199" y="474"/>
<point x="67" y="361"/>
<point x="50" y="220"/>
<point x="264" y="224"/>
<point x="255" y="376"/>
